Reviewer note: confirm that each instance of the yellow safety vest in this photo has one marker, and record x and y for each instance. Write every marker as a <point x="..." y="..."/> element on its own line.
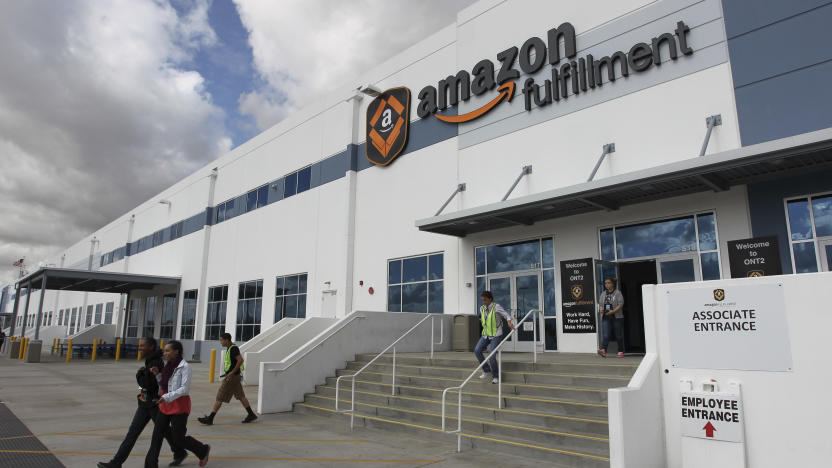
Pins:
<point x="491" y="322"/>
<point x="228" y="365"/>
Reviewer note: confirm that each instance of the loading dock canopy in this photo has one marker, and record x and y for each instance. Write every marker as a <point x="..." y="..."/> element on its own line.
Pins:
<point x="808" y="152"/>
<point x="93" y="281"/>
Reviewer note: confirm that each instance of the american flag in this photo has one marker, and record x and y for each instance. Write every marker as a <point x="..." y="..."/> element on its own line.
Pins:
<point x="18" y="263"/>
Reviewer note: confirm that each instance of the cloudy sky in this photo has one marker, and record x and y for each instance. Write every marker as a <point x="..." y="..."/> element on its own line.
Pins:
<point x="103" y="104"/>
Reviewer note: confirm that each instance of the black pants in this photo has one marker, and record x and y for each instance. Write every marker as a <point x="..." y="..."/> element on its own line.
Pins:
<point x="174" y="426"/>
<point x="140" y="419"/>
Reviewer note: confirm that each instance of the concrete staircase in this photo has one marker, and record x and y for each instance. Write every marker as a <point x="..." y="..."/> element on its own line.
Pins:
<point x="555" y="410"/>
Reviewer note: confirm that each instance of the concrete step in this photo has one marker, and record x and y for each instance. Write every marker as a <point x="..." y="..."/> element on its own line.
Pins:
<point x="551" y="420"/>
<point x="476" y="385"/>
<point x="566" y="456"/>
<point x="519" y="362"/>
<point x="559" y="406"/>
<point x="585" y="443"/>
<point x="459" y="374"/>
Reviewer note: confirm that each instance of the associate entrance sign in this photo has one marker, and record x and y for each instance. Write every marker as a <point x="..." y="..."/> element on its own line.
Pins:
<point x="577" y="296"/>
<point x="755" y="257"/>
<point x="734" y="327"/>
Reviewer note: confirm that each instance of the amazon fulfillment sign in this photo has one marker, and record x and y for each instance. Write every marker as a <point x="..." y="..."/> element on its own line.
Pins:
<point x="732" y="327"/>
<point x="712" y="415"/>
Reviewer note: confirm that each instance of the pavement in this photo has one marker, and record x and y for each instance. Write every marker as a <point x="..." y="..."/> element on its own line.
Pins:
<point x="80" y="412"/>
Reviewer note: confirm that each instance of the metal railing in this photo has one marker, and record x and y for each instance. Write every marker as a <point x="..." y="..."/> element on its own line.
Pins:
<point x="351" y="411"/>
<point x="499" y="350"/>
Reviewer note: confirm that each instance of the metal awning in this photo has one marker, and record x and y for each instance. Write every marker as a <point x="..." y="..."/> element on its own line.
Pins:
<point x="803" y="153"/>
<point x="62" y="279"/>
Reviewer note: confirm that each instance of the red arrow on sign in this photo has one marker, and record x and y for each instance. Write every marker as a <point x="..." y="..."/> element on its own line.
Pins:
<point x="709" y="430"/>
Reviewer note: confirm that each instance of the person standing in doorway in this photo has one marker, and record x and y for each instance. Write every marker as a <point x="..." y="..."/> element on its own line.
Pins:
<point x="491" y="318"/>
<point x="174" y="407"/>
<point x="611" y="306"/>
<point x="147" y="407"/>
<point x="232" y="382"/>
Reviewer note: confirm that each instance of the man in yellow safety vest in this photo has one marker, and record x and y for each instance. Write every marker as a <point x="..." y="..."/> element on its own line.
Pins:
<point x="491" y="317"/>
<point x="231" y="382"/>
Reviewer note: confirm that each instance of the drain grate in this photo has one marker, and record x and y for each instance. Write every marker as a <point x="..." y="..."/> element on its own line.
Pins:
<point x="19" y="447"/>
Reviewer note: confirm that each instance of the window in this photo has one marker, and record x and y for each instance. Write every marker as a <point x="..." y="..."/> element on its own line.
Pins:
<point x="108" y="312"/>
<point x="249" y="305"/>
<point x="49" y="322"/>
<point x="60" y="317"/>
<point x="133" y="318"/>
<point x="72" y="320"/>
<point x="99" y="308"/>
<point x="149" y="316"/>
<point x="168" y="327"/>
<point x="671" y="236"/>
<point x="215" y="318"/>
<point x="810" y="233"/>
<point x="290" y="297"/>
<point x="297" y="182"/>
<point x="416" y="284"/>
<point x="188" y="315"/>
<point x="88" y="320"/>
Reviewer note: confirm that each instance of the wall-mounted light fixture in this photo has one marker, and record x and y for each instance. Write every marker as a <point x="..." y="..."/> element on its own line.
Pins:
<point x="165" y="202"/>
<point x="369" y="90"/>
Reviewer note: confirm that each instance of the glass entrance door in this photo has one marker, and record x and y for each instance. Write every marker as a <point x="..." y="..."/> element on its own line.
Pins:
<point x="519" y="293"/>
<point x="825" y="254"/>
<point x="678" y="268"/>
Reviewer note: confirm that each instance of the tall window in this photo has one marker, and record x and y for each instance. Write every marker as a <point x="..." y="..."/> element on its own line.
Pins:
<point x="188" y="315"/>
<point x="416" y="284"/>
<point x="60" y="317"/>
<point x="249" y="305"/>
<point x="49" y="324"/>
<point x="149" y="316"/>
<point x="99" y="308"/>
<point x="108" y="312"/>
<point x="695" y="234"/>
<point x="133" y="318"/>
<point x="290" y="297"/>
<point x="810" y="233"/>
<point x="168" y="327"/>
<point x="215" y="318"/>
<point x="72" y="320"/>
<point x="88" y="320"/>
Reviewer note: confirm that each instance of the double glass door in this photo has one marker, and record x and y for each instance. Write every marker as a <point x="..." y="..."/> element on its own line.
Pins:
<point x="519" y="293"/>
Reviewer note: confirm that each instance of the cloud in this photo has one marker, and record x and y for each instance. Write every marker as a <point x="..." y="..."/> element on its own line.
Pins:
<point x="100" y="108"/>
<point x="301" y="47"/>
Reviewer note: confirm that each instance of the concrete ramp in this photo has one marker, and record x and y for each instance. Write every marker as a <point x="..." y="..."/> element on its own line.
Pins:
<point x="106" y="332"/>
<point x="279" y="341"/>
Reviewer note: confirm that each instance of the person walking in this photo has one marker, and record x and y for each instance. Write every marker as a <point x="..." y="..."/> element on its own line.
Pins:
<point x="232" y="382"/>
<point x="491" y="318"/>
<point x="2" y="339"/>
<point x="147" y="408"/>
<point x="611" y="306"/>
<point x="174" y="407"/>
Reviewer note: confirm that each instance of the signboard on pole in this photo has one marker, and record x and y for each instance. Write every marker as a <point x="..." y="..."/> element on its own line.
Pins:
<point x="754" y="257"/>
<point x="577" y="296"/>
<point x="730" y="327"/>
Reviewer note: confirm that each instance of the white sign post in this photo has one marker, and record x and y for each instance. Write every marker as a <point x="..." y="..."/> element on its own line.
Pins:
<point x="729" y="327"/>
<point x="712" y="422"/>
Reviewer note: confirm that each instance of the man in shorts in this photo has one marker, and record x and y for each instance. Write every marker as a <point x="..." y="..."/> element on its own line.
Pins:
<point x="231" y="382"/>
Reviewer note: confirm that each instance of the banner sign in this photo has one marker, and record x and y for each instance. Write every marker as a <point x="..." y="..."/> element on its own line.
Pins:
<point x="577" y="296"/>
<point x="758" y="256"/>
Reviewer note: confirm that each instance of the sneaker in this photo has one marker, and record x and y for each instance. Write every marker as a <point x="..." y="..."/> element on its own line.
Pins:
<point x="250" y="418"/>
<point x="602" y="352"/>
<point x="204" y="461"/>
<point x="483" y="375"/>
<point x="620" y="354"/>
<point x="105" y="465"/>
<point x="178" y="459"/>
<point x="205" y="420"/>
<point x="495" y="380"/>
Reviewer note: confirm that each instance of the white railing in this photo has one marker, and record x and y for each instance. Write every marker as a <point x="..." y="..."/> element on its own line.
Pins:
<point x="499" y="350"/>
<point x="351" y="411"/>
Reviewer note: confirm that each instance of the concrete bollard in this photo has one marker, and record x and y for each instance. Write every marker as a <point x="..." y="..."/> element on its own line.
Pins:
<point x="118" y="349"/>
<point x="68" y="349"/>
<point x="139" y="350"/>
<point x="212" y="367"/>
<point x="94" y="350"/>
<point x="14" y="349"/>
<point x="33" y="351"/>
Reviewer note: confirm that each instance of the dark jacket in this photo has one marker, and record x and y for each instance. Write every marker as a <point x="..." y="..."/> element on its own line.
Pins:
<point x="149" y="387"/>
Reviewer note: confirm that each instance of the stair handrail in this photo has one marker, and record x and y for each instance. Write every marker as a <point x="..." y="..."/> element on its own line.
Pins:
<point x="351" y="411"/>
<point x="499" y="350"/>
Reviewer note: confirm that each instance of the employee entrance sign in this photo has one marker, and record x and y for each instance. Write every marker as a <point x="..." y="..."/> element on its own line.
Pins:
<point x="712" y="415"/>
<point x="729" y="327"/>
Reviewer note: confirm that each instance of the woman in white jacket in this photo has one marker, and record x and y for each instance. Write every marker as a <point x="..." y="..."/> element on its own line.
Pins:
<point x="174" y="407"/>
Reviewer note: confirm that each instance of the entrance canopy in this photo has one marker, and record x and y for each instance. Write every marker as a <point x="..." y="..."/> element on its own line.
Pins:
<point x="93" y="281"/>
<point x="808" y="152"/>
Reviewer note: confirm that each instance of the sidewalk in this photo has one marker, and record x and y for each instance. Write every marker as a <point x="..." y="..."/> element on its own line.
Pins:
<point x="80" y="411"/>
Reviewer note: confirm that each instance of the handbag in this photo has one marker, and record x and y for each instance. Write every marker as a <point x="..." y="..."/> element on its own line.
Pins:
<point x="181" y="405"/>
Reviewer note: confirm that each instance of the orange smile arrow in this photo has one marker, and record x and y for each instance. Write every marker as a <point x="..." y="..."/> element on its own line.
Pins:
<point x="506" y="89"/>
